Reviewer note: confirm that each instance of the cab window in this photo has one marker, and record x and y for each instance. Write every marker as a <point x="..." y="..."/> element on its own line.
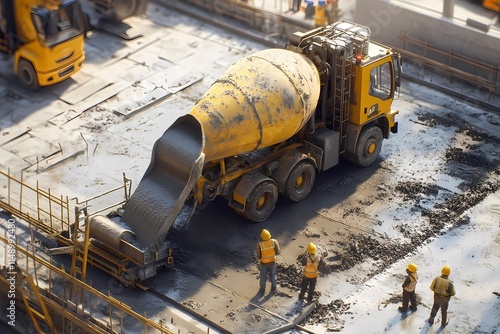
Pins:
<point x="381" y="81"/>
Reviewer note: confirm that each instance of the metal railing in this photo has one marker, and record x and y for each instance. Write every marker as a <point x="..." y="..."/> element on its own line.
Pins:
<point x="68" y="303"/>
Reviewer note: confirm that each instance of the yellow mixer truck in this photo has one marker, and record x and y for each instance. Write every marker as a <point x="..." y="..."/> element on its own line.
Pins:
<point x="262" y="130"/>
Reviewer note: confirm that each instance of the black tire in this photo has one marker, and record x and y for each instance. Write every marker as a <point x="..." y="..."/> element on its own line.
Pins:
<point x="261" y="201"/>
<point x="300" y="181"/>
<point x="27" y="75"/>
<point x="368" y="146"/>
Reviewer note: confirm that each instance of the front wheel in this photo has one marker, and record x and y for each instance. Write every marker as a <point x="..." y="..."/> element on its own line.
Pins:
<point x="300" y="181"/>
<point x="261" y="201"/>
<point x="27" y="75"/>
<point x="368" y="146"/>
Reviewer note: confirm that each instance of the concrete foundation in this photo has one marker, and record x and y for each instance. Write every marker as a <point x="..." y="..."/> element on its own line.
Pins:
<point x="425" y="21"/>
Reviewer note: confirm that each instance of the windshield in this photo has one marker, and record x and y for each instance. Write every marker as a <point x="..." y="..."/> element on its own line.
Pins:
<point x="58" y="24"/>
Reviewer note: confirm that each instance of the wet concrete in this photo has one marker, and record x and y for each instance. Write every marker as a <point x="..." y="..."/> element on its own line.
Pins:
<point x="174" y="169"/>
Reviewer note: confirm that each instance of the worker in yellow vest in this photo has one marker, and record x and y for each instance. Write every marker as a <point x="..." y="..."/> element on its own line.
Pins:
<point x="443" y="290"/>
<point x="409" y="296"/>
<point x="267" y="249"/>
<point x="321" y="14"/>
<point x="311" y="263"/>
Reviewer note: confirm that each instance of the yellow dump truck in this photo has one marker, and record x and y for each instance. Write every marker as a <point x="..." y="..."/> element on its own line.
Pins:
<point x="46" y="39"/>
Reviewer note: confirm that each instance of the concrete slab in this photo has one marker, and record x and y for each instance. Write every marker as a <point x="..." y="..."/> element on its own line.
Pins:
<point x="11" y="160"/>
<point x="142" y="100"/>
<point x="85" y="90"/>
<point x="180" y="78"/>
<point x="104" y="94"/>
<point x="32" y="149"/>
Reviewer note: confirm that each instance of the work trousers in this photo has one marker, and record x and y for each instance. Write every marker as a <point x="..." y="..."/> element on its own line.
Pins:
<point x="311" y="282"/>
<point x="411" y="298"/>
<point x="268" y="269"/>
<point x="443" y="304"/>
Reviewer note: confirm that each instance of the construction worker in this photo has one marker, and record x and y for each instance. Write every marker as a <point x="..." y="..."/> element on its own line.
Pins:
<point x="443" y="290"/>
<point x="267" y="249"/>
<point x="311" y="263"/>
<point x="320" y="14"/>
<point x="409" y="289"/>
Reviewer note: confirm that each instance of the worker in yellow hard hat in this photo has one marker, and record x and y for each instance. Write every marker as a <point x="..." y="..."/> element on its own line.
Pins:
<point x="311" y="263"/>
<point x="409" y="296"/>
<point x="443" y="290"/>
<point x="267" y="249"/>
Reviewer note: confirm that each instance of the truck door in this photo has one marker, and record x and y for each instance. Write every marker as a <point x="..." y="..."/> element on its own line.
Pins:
<point x="375" y="86"/>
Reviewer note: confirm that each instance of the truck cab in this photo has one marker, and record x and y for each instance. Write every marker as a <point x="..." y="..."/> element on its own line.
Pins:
<point x="45" y="38"/>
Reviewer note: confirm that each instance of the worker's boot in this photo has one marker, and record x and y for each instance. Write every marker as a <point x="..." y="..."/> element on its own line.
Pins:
<point x="402" y="309"/>
<point x="430" y="320"/>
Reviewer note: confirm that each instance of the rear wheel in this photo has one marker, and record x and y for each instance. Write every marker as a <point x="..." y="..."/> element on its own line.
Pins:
<point x="300" y="181"/>
<point x="27" y="75"/>
<point x="368" y="146"/>
<point x="261" y="201"/>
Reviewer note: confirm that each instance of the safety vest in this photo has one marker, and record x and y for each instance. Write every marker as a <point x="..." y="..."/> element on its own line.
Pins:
<point x="267" y="252"/>
<point x="311" y="267"/>
<point x="413" y="282"/>
<point x="441" y="286"/>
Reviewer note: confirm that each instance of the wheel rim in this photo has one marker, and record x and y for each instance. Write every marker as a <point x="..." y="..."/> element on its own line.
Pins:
<point x="371" y="148"/>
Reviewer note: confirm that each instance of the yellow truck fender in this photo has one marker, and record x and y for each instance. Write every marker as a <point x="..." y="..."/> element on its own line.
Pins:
<point x="244" y="189"/>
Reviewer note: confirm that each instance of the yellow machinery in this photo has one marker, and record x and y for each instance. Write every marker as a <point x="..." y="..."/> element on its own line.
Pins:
<point x="266" y="127"/>
<point x="46" y="39"/>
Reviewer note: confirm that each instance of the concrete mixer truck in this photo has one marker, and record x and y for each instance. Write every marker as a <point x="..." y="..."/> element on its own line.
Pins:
<point x="264" y="129"/>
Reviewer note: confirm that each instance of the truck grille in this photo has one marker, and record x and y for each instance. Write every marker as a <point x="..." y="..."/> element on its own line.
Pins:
<point x="66" y="71"/>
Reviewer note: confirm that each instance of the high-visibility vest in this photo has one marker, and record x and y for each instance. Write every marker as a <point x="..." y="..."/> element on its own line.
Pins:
<point x="441" y="286"/>
<point x="267" y="252"/>
<point x="311" y="267"/>
<point x="413" y="281"/>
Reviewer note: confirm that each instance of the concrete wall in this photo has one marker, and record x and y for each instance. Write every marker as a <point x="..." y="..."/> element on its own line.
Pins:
<point x="388" y="18"/>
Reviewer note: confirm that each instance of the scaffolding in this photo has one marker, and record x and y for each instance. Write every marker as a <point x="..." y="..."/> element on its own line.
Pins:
<point x="62" y="302"/>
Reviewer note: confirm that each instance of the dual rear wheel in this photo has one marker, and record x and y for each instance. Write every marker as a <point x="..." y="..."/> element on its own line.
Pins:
<point x="263" y="197"/>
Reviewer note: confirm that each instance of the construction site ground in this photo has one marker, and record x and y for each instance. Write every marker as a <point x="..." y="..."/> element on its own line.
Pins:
<point x="432" y="197"/>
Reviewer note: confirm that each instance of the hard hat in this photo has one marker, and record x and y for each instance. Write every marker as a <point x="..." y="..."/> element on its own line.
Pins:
<point x="265" y="235"/>
<point x="311" y="248"/>
<point x="322" y="2"/>
<point x="446" y="270"/>
<point x="412" y="268"/>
